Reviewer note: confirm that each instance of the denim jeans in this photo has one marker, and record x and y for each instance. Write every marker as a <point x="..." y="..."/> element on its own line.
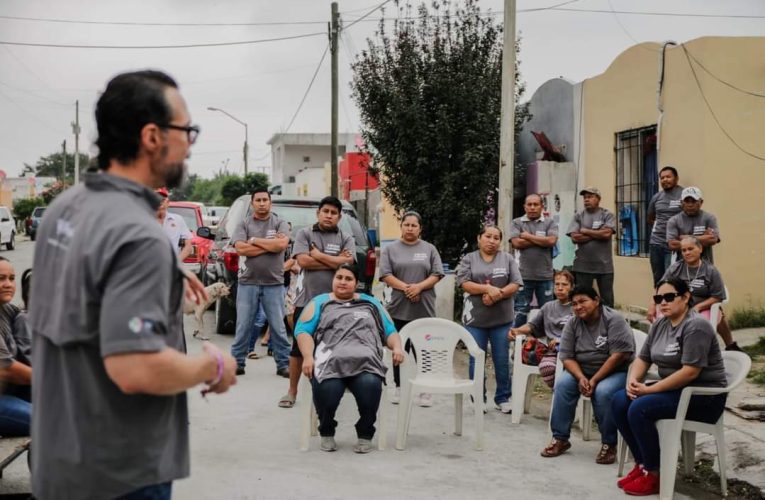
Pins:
<point x="366" y="389"/>
<point x="500" y="347"/>
<point x="15" y="416"/>
<point x="260" y="322"/>
<point x="605" y="285"/>
<point x="566" y="396"/>
<point x="543" y="290"/>
<point x="163" y="491"/>
<point x="636" y="419"/>
<point x="660" y="257"/>
<point x="248" y="300"/>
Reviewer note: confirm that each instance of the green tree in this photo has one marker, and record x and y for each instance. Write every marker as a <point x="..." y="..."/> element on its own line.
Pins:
<point x="52" y="165"/>
<point x="234" y="186"/>
<point x="429" y="94"/>
<point x="24" y="208"/>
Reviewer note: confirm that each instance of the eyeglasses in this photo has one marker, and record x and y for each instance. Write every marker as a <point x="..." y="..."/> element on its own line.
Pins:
<point x="667" y="297"/>
<point x="192" y="131"/>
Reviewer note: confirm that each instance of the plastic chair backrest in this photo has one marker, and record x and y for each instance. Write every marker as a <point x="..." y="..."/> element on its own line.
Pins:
<point x="434" y="341"/>
<point x="640" y="338"/>
<point x="737" y="366"/>
<point x="727" y="296"/>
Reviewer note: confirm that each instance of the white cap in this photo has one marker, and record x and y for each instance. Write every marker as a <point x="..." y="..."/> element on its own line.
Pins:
<point x="692" y="192"/>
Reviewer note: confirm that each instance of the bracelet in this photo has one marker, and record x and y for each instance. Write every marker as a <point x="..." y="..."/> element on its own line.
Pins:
<point x="219" y="370"/>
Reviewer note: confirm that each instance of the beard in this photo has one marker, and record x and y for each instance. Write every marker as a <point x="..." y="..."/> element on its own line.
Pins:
<point x="175" y="174"/>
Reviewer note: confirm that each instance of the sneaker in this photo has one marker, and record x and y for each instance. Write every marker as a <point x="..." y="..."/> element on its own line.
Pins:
<point x="556" y="448"/>
<point x="506" y="407"/>
<point x="647" y="484"/>
<point x="240" y="370"/>
<point x="283" y="372"/>
<point x="363" y="446"/>
<point x="606" y="455"/>
<point x="396" y="396"/>
<point x="426" y="400"/>
<point x="328" y="443"/>
<point x="635" y="473"/>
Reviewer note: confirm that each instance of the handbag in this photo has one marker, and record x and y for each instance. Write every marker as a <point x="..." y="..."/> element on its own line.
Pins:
<point x="533" y="351"/>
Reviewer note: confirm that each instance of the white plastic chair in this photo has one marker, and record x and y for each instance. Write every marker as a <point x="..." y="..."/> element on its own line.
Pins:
<point x="309" y="419"/>
<point x="434" y="340"/>
<point x="678" y="433"/>
<point x="524" y="377"/>
<point x="714" y="311"/>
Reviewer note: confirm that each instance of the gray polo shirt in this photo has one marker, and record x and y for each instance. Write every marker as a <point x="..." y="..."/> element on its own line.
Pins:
<point x="703" y="282"/>
<point x="268" y="268"/>
<point x="594" y="256"/>
<point x="591" y="345"/>
<point x="312" y="282"/>
<point x="551" y="320"/>
<point x="411" y="264"/>
<point x="536" y="262"/>
<point x="697" y="225"/>
<point x="500" y="272"/>
<point x="112" y="285"/>
<point x="664" y="205"/>
<point x="693" y="342"/>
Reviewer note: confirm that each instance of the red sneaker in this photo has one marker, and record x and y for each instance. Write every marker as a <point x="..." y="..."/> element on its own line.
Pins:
<point x="635" y="473"/>
<point x="647" y="484"/>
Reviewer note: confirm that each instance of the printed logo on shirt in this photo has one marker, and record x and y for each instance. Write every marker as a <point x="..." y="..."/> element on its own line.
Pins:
<point x="596" y="224"/>
<point x="499" y="272"/>
<point x="271" y="233"/>
<point x="429" y="337"/>
<point x="674" y="203"/>
<point x="672" y="349"/>
<point x="332" y="249"/>
<point x="601" y="342"/>
<point x="419" y="257"/>
<point x="360" y="314"/>
<point x="541" y="233"/>
<point x="138" y="325"/>
<point x="696" y="284"/>
<point x="697" y="230"/>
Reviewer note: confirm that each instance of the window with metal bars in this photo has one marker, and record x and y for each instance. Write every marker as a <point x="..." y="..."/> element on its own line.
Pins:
<point x="636" y="182"/>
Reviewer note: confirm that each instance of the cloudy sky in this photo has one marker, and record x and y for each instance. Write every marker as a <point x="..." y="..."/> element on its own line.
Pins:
<point x="263" y="83"/>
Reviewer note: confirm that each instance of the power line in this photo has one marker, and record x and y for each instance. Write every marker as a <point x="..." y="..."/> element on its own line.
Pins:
<point x="669" y="14"/>
<point x="744" y="91"/>
<point x="380" y="6"/>
<point x="139" y="23"/>
<point x="711" y="111"/>
<point x="310" y="84"/>
<point x="624" y="29"/>
<point x="181" y="46"/>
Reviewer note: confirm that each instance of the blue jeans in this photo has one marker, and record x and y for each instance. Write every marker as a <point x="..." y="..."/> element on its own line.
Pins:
<point x="260" y="322"/>
<point x="15" y="416"/>
<point x="660" y="257"/>
<point x="543" y="291"/>
<point x="248" y="300"/>
<point x="566" y="396"/>
<point x="366" y="389"/>
<point x="500" y="347"/>
<point x="163" y="491"/>
<point x="636" y="419"/>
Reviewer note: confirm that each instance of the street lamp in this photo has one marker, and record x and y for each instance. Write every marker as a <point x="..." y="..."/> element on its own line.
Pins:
<point x="246" y="147"/>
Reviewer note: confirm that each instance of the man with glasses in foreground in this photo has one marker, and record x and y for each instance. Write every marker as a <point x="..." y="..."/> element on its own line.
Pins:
<point x="111" y="417"/>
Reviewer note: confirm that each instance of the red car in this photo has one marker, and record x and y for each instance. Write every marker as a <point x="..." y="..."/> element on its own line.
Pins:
<point x="201" y="246"/>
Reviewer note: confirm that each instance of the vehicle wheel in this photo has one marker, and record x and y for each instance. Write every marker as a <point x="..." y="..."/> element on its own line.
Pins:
<point x="12" y="242"/>
<point x="225" y="316"/>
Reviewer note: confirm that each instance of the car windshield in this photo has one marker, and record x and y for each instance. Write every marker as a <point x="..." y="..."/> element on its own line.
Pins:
<point x="38" y="212"/>
<point x="189" y="216"/>
<point x="302" y="216"/>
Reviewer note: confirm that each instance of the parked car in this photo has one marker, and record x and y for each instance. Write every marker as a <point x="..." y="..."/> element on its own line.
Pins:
<point x="216" y="214"/>
<point x="33" y="222"/>
<point x="201" y="245"/>
<point x="301" y="212"/>
<point x="7" y="229"/>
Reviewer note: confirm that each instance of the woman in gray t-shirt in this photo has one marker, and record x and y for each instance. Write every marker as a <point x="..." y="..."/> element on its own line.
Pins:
<point x="490" y="277"/>
<point x="411" y="267"/>
<point x="684" y="347"/>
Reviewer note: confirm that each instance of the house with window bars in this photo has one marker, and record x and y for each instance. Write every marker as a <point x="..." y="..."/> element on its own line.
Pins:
<point x="699" y="107"/>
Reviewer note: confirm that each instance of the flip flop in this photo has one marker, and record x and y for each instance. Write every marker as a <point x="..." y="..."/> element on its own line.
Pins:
<point x="253" y="355"/>
<point x="287" y="401"/>
<point x="200" y="336"/>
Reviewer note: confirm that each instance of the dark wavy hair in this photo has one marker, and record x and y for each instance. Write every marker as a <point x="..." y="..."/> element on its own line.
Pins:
<point x="583" y="290"/>
<point x="130" y="101"/>
<point x="348" y="267"/>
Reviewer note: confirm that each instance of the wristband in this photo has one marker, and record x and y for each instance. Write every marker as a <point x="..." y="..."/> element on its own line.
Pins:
<point x="219" y="370"/>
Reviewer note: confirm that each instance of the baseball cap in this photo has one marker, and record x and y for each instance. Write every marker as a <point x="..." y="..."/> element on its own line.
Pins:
<point x="162" y="192"/>
<point x="590" y="190"/>
<point x="692" y="192"/>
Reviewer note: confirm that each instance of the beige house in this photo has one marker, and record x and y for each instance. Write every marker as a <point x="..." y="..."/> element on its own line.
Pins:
<point x="694" y="119"/>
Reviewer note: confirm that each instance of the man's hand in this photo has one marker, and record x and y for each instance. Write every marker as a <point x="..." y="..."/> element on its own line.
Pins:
<point x="524" y="235"/>
<point x="228" y="378"/>
<point x="552" y="344"/>
<point x="346" y="253"/>
<point x="398" y="356"/>
<point x="584" y="386"/>
<point x="487" y="300"/>
<point x="512" y="333"/>
<point x="308" y="366"/>
<point x="195" y="290"/>
<point x="592" y="384"/>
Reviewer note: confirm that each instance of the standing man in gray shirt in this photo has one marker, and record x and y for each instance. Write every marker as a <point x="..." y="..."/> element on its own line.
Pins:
<point x="319" y="250"/>
<point x="110" y="384"/>
<point x="260" y="241"/>
<point x="534" y="236"/>
<point x="693" y="221"/>
<point x="592" y="230"/>
<point x="664" y="205"/>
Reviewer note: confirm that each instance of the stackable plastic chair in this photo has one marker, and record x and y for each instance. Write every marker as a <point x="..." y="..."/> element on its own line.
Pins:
<point x="524" y="377"/>
<point x="678" y="433"/>
<point x="714" y="311"/>
<point x="434" y="341"/>
<point x="309" y="419"/>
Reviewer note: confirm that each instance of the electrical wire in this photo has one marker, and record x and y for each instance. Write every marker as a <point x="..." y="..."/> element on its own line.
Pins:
<point x="181" y="46"/>
<point x="743" y="91"/>
<point x="310" y="84"/>
<point x="138" y="23"/>
<point x="624" y="29"/>
<point x="668" y="14"/>
<point x="356" y="21"/>
<point x="711" y="111"/>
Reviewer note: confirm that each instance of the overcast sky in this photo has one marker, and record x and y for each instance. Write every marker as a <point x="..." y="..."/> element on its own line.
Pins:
<point x="262" y="83"/>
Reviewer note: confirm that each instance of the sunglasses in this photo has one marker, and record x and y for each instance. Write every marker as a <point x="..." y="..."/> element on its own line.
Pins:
<point x="667" y="297"/>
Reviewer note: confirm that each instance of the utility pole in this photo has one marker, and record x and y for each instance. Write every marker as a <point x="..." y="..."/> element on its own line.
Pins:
<point x="507" y="127"/>
<point x="76" y="131"/>
<point x="63" y="159"/>
<point x="246" y="149"/>
<point x="333" y="46"/>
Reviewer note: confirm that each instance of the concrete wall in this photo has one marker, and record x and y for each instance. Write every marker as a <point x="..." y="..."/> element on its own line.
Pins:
<point x="288" y="152"/>
<point x="624" y="97"/>
<point x="551" y="108"/>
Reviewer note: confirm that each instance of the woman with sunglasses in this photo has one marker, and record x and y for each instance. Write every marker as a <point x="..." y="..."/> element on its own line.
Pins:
<point x="683" y="346"/>
<point x="704" y="283"/>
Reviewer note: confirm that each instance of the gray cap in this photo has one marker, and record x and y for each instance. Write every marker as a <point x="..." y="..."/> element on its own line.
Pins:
<point x="590" y="190"/>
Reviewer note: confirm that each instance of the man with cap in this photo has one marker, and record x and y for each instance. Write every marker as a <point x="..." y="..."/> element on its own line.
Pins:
<point x="592" y="230"/>
<point x="174" y="226"/>
<point x="664" y="205"/>
<point x="693" y="221"/>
